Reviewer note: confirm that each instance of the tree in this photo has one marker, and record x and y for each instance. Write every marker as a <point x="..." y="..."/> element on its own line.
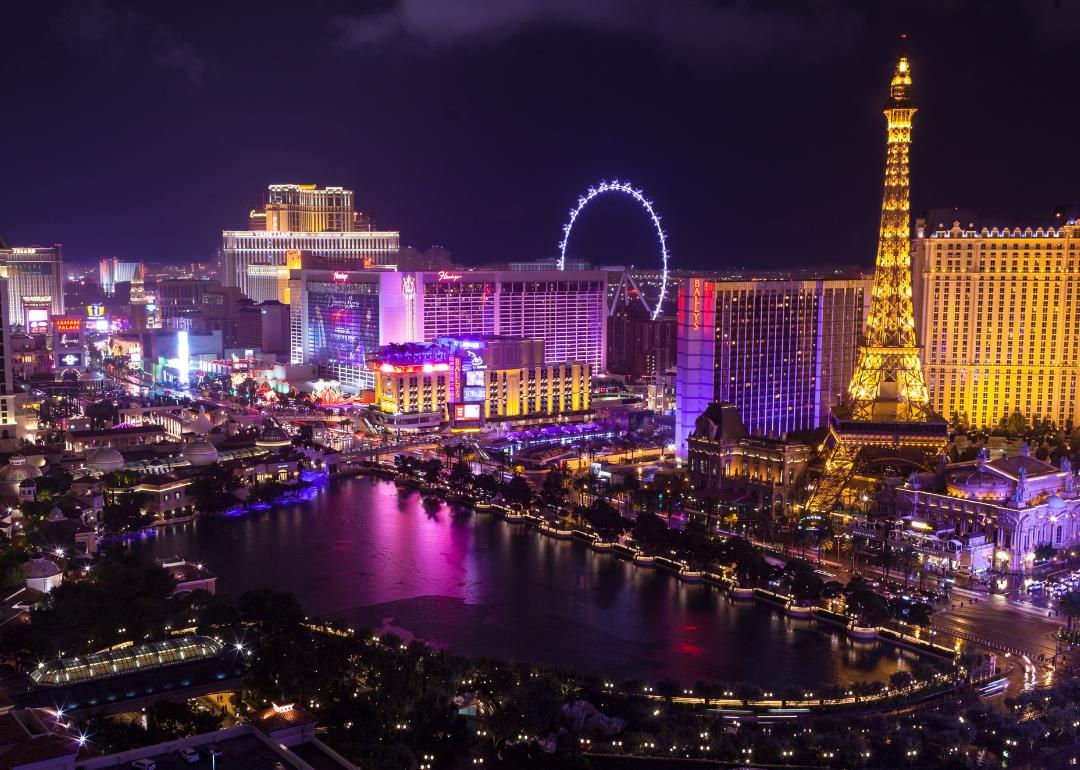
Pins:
<point x="887" y="560"/>
<point x="804" y="582"/>
<point x="517" y="490"/>
<point x="867" y="606"/>
<point x="669" y="688"/>
<point x="1069" y="606"/>
<point x="1015" y="424"/>
<point x="175" y="719"/>
<point x="11" y="571"/>
<point x="103" y="414"/>
<point x="747" y="692"/>
<point x="900" y="681"/>
<point x="853" y="547"/>
<point x="553" y="492"/>
<point x="125" y="513"/>
<point x="650" y="531"/>
<point x="824" y="537"/>
<point x="605" y="520"/>
<point x="214" y="488"/>
<point x="274" y="611"/>
<point x="461" y="475"/>
<point x="908" y="558"/>
<point x="432" y="469"/>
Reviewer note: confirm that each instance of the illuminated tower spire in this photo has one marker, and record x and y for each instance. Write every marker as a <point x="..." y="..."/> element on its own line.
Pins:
<point x="137" y="300"/>
<point x="887" y="427"/>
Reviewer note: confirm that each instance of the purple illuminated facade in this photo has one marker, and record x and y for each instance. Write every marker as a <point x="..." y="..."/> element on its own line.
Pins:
<point x="781" y="351"/>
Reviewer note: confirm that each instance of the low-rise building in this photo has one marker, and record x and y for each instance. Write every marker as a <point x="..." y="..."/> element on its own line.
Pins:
<point x="170" y="495"/>
<point x="120" y="438"/>
<point x="766" y="468"/>
<point x="189" y="576"/>
<point x="471" y="383"/>
<point x="1001" y="515"/>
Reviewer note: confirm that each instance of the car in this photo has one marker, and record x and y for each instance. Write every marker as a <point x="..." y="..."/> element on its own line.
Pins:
<point x="210" y="750"/>
<point x="144" y="764"/>
<point x="189" y="755"/>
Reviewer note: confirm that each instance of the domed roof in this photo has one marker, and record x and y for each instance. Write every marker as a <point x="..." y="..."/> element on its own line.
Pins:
<point x="40" y="567"/>
<point x="273" y="437"/>
<point x="200" y="453"/>
<point x="1055" y="502"/>
<point x="91" y="377"/>
<point x="978" y="478"/>
<point x="18" y="470"/>
<point x="105" y="459"/>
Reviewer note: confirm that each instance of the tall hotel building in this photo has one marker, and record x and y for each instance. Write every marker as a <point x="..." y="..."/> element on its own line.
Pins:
<point x="994" y="302"/>
<point x="7" y="389"/>
<point x="337" y="317"/>
<point x="113" y="271"/>
<point x="35" y="283"/>
<point x="781" y="351"/>
<point x="300" y="218"/>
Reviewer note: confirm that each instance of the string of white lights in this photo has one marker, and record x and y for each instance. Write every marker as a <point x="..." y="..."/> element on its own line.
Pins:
<point x="626" y="188"/>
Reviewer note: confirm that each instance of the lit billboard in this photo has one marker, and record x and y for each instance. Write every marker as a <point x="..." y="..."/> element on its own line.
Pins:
<point x="342" y="327"/>
<point x="37" y="320"/>
<point x="466" y="411"/>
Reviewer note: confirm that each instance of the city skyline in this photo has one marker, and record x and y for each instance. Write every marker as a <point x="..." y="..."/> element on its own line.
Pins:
<point x="456" y="103"/>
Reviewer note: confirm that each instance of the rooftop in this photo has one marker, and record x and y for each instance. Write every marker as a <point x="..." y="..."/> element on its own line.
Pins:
<point x="281" y="716"/>
<point x="180" y="680"/>
<point x="133" y="430"/>
<point x="99" y="665"/>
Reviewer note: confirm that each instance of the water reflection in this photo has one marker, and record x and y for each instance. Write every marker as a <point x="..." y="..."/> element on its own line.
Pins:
<point x="481" y="586"/>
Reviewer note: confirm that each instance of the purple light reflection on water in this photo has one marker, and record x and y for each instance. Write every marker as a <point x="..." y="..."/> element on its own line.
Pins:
<point x="479" y="585"/>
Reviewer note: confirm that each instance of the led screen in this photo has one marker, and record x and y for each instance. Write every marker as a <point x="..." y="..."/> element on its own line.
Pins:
<point x="37" y="320"/>
<point x="474" y="377"/>
<point x="342" y="327"/>
<point x="70" y="359"/>
<point x="466" y="411"/>
<point x="69" y="340"/>
<point x="474" y="394"/>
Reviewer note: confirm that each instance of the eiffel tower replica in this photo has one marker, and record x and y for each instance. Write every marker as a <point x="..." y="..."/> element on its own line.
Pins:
<point x="886" y="427"/>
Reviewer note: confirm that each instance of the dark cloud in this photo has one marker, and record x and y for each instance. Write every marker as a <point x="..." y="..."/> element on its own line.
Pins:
<point x="130" y="32"/>
<point x="697" y="30"/>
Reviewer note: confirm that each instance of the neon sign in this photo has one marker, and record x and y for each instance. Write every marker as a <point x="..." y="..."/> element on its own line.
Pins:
<point x="445" y="276"/>
<point x="24" y="251"/>
<point x="68" y="324"/>
<point x="697" y="304"/>
<point x="410" y="368"/>
<point x="341" y="276"/>
<point x="97" y="310"/>
<point x="408" y="286"/>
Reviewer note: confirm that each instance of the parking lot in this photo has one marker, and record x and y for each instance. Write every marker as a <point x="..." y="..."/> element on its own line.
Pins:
<point x="243" y="753"/>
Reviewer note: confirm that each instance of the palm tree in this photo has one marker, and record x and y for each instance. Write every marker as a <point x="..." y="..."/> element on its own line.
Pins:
<point x="908" y="558"/>
<point x="824" y="537"/>
<point x="851" y="549"/>
<point x="800" y="540"/>
<point x="887" y="560"/>
<point x="1069" y="606"/>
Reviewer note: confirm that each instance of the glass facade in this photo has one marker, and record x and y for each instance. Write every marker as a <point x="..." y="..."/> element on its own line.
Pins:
<point x="451" y="309"/>
<point x="568" y="315"/>
<point x="128" y="660"/>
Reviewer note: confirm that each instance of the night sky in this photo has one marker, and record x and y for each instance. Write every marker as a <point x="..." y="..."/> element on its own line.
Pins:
<point x="142" y="130"/>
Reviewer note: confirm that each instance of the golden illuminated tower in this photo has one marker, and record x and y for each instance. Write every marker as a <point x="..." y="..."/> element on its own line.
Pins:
<point x="887" y="426"/>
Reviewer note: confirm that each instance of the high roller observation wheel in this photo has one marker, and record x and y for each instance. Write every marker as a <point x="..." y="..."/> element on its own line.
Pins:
<point x="627" y="189"/>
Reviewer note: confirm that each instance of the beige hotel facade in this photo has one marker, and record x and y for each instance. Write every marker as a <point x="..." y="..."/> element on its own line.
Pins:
<point x="996" y="305"/>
